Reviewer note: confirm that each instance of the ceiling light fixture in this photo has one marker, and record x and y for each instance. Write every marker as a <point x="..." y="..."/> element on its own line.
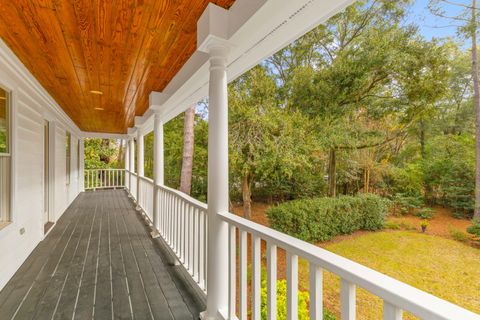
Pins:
<point x="96" y="92"/>
<point x="101" y="109"/>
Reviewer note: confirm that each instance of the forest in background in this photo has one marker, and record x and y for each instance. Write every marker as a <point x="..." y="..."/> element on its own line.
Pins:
<point x="362" y="104"/>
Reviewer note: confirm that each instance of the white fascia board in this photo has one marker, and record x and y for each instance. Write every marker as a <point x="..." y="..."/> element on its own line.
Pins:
<point x="256" y="30"/>
<point x="18" y="69"/>
<point x="102" y="135"/>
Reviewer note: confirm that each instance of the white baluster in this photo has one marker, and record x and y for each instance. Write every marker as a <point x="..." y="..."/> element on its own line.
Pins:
<point x="316" y="292"/>
<point x="232" y="274"/>
<point x="292" y="286"/>
<point x="256" y="277"/>
<point x="243" y="275"/>
<point x="271" y="281"/>
<point x="390" y="312"/>
<point x="347" y="300"/>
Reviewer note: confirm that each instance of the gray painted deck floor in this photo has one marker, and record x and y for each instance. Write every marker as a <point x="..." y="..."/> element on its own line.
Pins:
<point x="99" y="262"/>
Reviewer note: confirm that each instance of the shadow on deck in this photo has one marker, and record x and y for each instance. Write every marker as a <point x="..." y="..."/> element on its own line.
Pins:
<point x="99" y="262"/>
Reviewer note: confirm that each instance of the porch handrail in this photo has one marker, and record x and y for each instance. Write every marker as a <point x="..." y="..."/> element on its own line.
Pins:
<point x="397" y="296"/>
<point x="104" y="178"/>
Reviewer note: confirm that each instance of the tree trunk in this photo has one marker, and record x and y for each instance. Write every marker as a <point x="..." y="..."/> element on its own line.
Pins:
<point x="247" y="196"/>
<point x="477" y="108"/>
<point x="188" y="145"/>
<point x="366" y="184"/>
<point x="121" y="155"/>
<point x="332" y="173"/>
<point x="422" y="139"/>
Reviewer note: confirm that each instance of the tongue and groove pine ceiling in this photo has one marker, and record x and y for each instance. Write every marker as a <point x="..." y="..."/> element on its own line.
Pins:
<point x="123" y="49"/>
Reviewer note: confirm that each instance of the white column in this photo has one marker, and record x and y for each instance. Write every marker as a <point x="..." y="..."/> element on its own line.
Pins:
<point x="132" y="155"/>
<point x="140" y="164"/>
<point x="217" y="271"/>
<point x="81" y="159"/>
<point x="127" y="155"/>
<point x="158" y="167"/>
<point x="131" y="163"/>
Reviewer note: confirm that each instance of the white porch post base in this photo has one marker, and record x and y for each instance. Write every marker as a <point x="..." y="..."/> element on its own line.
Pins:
<point x="154" y="234"/>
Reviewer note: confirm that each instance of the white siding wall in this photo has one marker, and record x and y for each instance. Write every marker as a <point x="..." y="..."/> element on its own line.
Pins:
<point x="31" y="105"/>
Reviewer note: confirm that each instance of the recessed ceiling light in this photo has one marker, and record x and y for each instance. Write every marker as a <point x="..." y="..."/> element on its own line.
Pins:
<point x="96" y="92"/>
<point x="101" y="109"/>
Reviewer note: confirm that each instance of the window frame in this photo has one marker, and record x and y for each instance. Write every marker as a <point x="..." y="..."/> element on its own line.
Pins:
<point x="7" y="219"/>
<point x="68" y="157"/>
<point x="8" y="116"/>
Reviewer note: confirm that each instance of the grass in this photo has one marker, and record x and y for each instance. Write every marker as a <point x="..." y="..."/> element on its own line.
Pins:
<point x="443" y="267"/>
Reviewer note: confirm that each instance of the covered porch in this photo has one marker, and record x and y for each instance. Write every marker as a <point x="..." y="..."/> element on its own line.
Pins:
<point x="147" y="251"/>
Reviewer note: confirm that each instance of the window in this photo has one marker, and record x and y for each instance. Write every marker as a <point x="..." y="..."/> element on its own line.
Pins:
<point x="5" y="157"/>
<point x="68" y="155"/>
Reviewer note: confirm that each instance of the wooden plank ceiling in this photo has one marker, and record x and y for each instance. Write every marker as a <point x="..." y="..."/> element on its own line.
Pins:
<point x="124" y="49"/>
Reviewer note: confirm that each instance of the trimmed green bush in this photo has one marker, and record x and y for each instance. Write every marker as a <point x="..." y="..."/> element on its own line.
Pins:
<point x="303" y="303"/>
<point x="320" y="219"/>
<point x="425" y="213"/>
<point x="474" y="228"/>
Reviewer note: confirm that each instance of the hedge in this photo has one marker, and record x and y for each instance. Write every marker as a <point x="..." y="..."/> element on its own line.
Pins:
<point x="321" y="219"/>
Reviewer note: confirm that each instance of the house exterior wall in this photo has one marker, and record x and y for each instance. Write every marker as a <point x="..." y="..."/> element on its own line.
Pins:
<point x="31" y="105"/>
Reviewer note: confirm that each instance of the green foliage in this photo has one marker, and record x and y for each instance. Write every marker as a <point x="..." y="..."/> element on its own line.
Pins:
<point x="321" y="219"/>
<point x="449" y="170"/>
<point x="406" y="204"/>
<point x="458" y="235"/>
<point x="425" y="213"/>
<point x="264" y="148"/>
<point x="102" y="153"/>
<point x="474" y="228"/>
<point x="303" y="302"/>
<point x="392" y="225"/>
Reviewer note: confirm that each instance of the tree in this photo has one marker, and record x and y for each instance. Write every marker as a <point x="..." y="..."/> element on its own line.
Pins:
<point x="467" y="22"/>
<point x="361" y="64"/>
<point x="188" y="150"/>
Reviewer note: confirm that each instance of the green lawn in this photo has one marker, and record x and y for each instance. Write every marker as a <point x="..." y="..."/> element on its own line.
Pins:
<point x="442" y="267"/>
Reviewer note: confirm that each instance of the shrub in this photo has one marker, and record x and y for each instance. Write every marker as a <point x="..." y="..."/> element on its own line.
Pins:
<point x="406" y="204"/>
<point x="407" y="226"/>
<point x="458" y="235"/>
<point x="303" y="302"/>
<point x="425" y="213"/>
<point x="320" y="219"/>
<point x="474" y="228"/>
<point x="392" y="225"/>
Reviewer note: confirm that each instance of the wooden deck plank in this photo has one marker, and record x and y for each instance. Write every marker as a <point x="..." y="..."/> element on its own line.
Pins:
<point x="28" y="271"/>
<point x="154" y="292"/>
<point x="121" y="298"/>
<point x="173" y="297"/>
<point x="69" y="293"/>
<point x="98" y="262"/>
<point x="26" y="309"/>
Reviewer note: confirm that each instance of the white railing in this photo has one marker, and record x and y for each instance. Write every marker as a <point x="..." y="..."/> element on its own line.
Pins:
<point x="183" y="225"/>
<point x="146" y="196"/>
<point x="104" y="178"/>
<point x="133" y="185"/>
<point x="397" y="296"/>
